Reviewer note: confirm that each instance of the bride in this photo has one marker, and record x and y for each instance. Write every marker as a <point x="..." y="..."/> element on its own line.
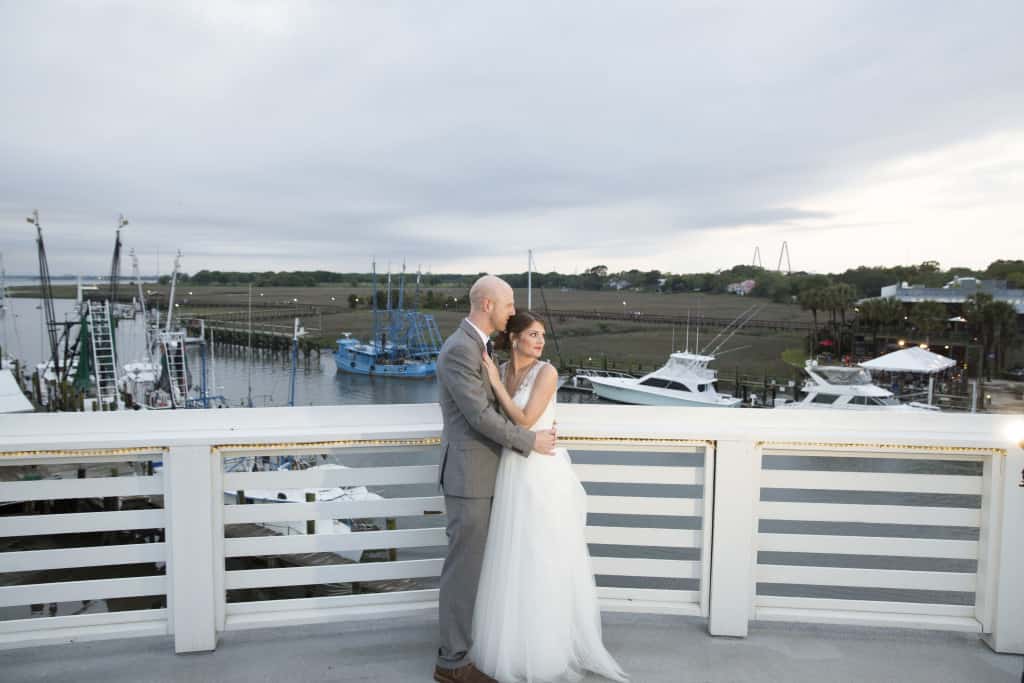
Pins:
<point x="536" y="617"/>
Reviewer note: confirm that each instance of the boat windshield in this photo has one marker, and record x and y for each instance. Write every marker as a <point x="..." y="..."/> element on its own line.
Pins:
<point x="845" y="376"/>
<point x="885" y="401"/>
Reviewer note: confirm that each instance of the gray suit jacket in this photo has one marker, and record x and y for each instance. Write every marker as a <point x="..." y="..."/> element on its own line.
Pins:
<point x="474" y="428"/>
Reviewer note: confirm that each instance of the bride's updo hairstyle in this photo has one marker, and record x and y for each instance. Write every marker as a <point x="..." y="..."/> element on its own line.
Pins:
<point x="516" y="324"/>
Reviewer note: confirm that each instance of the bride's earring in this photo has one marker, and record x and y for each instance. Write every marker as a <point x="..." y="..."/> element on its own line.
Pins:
<point x="514" y="345"/>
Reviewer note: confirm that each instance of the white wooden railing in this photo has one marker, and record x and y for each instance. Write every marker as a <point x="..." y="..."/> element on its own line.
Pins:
<point x="908" y="520"/>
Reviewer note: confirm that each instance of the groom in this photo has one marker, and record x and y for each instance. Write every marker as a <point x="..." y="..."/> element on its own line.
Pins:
<point x="471" y="443"/>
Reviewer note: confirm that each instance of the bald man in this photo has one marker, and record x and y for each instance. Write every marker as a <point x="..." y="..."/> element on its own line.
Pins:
<point x="471" y="443"/>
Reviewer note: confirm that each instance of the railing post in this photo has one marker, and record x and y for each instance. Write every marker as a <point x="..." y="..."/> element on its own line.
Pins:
<point x="188" y="501"/>
<point x="1007" y="599"/>
<point x="734" y="533"/>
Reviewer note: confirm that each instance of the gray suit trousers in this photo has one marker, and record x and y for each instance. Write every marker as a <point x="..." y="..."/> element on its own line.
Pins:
<point x="468" y="519"/>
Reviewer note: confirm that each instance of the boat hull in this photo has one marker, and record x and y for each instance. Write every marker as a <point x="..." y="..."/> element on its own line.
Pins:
<point x="625" y="394"/>
<point x="410" y="370"/>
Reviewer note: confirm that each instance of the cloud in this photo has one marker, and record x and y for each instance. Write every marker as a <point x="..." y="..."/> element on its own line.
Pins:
<point x="666" y="135"/>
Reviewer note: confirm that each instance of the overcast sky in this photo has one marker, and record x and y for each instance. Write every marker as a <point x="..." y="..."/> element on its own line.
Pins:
<point x="457" y="135"/>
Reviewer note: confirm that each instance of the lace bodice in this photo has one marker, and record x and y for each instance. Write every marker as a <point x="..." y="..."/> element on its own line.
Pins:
<point x="525" y="390"/>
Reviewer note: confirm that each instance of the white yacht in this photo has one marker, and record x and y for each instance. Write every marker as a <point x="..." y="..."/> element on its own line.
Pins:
<point x="848" y="388"/>
<point x="685" y="380"/>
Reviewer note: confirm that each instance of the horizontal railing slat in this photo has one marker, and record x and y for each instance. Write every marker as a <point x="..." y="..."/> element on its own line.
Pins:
<point x="666" y="538"/>
<point x="647" y="594"/>
<point x="16" y="626"/>
<point x="869" y="545"/>
<point x="633" y="474"/>
<point x="96" y="487"/>
<point x="318" y="478"/>
<point x="312" y="543"/>
<point x="635" y="505"/>
<point x="81" y="522"/>
<point x="632" y="566"/>
<point x="877" y="514"/>
<point x="866" y="578"/>
<point x="331" y="602"/>
<point x="57" y="558"/>
<point x="933" y="609"/>
<point x="291" y="512"/>
<point x="871" y="481"/>
<point x="96" y="589"/>
<point x="334" y="573"/>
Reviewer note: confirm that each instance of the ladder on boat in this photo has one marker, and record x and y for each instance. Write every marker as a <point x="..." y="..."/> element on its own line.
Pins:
<point x="104" y="361"/>
<point x="173" y="347"/>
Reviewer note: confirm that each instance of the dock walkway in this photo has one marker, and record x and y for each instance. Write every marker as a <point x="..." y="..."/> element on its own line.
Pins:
<point x="652" y="649"/>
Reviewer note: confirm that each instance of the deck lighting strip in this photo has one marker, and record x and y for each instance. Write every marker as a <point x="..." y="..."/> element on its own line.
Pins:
<point x="340" y="443"/>
<point x="640" y="441"/>
<point x="904" y="448"/>
<point x="435" y="441"/>
<point x="154" y="450"/>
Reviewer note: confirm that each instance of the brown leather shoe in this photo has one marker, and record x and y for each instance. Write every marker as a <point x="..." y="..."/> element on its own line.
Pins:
<point x="464" y="674"/>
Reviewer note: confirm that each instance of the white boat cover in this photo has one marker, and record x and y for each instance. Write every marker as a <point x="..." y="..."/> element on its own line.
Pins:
<point x="914" y="359"/>
<point x="11" y="398"/>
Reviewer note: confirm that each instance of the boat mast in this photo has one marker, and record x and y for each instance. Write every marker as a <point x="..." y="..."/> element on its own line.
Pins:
<point x="115" y="262"/>
<point x="373" y="279"/>
<point x="529" y="279"/>
<point x="298" y="332"/>
<point x="46" y="289"/>
<point x="142" y="304"/>
<point x="174" y="282"/>
<point x="249" y="360"/>
<point x="3" y="282"/>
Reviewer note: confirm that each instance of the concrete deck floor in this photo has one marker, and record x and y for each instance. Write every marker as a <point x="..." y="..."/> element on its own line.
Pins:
<point x="652" y="649"/>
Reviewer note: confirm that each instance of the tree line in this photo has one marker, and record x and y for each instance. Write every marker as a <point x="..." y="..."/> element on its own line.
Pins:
<point x="779" y="287"/>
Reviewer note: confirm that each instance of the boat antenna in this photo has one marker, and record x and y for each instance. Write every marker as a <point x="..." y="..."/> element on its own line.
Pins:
<point x="673" y="349"/>
<point x="737" y="329"/>
<point x="729" y="326"/>
<point x="687" y="330"/>
<point x="738" y="348"/>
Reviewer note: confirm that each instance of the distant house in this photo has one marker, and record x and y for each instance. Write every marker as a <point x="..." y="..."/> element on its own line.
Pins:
<point x="619" y="284"/>
<point x="741" y="288"/>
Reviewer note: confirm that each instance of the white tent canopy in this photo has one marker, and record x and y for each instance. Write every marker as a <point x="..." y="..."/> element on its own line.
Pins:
<point x="11" y="398"/>
<point x="915" y="359"/>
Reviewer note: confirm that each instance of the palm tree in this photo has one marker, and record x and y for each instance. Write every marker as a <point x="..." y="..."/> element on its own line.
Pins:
<point x="841" y="297"/>
<point x="929" y="317"/>
<point x="871" y="315"/>
<point x="1004" y="330"/>
<point x="811" y="300"/>
<point x="890" y="313"/>
<point x="994" y="323"/>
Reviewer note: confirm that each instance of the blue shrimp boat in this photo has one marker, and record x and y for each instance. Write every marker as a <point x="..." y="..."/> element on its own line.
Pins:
<point x="404" y="344"/>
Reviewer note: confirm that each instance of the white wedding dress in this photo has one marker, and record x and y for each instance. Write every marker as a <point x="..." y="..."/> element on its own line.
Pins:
<point x="536" y="617"/>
